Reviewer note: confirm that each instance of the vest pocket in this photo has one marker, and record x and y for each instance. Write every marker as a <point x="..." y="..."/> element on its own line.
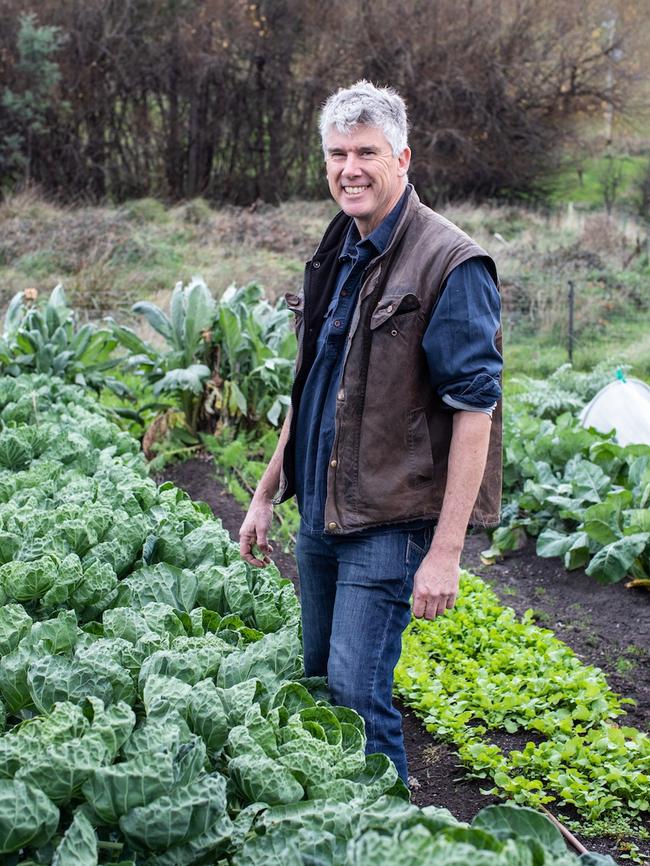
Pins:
<point x="419" y="445"/>
<point x="296" y="303"/>
<point x="394" y="306"/>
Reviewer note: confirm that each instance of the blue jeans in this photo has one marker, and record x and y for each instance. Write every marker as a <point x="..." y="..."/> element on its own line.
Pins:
<point x="354" y="595"/>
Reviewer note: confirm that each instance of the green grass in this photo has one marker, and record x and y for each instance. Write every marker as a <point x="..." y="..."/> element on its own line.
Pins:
<point x="624" y="340"/>
<point x="583" y="185"/>
<point x="107" y="258"/>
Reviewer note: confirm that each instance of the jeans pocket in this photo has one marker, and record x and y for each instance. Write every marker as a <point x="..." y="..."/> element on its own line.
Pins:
<point x="419" y="542"/>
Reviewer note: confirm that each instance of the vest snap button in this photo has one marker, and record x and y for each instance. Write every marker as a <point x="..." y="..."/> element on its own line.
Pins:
<point x="333" y="463"/>
<point x="389" y="308"/>
<point x="393" y="333"/>
<point x="317" y="264"/>
<point x="332" y="526"/>
<point x="341" y="395"/>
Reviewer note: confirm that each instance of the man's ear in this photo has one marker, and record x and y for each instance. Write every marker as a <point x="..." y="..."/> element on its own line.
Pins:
<point x="404" y="160"/>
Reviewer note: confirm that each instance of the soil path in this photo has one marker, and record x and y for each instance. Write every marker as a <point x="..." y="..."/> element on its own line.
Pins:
<point x="607" y="626"/>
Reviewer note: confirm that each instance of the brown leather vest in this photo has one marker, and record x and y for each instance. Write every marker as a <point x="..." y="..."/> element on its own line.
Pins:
<point x="392" y="432"/>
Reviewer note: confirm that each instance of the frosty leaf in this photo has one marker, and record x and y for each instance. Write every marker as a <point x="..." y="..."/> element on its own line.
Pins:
<point x="206" y="716"/>
<point x="58" y="635"/>
<point x="25" y="581"/>
<point x="115" y="790"/>
<point x="63" y="768"/>
<point x="258" y="779"/>
<point x="276" y="656"/>
<point x="27" y="816"/>
<point x="15" y="623"/>
<point x="79" y="844"/>
<point x="215" y="841"/>
<point x="58" y="678"/>
<point x="174" y="819"/>
<point x="160" y="583"/>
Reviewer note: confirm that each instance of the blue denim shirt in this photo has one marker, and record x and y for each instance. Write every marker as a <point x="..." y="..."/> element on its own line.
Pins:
<point x="459" y="343"/>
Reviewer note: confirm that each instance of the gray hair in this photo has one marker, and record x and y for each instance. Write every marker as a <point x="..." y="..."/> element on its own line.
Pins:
<point x="363" y="103"/>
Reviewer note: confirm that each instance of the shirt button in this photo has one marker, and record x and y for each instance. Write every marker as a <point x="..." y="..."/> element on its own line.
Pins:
<point x="337" y="323"/>
<point x="332" y="526"/>
<point x="341" y="395"/>
<point x="344" y="293"/>
<point x="333" y="463"/>
<point x="317" y="264"/>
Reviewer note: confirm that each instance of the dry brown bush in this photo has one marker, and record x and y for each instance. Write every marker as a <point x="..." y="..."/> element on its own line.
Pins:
<point x="219" y="98"/>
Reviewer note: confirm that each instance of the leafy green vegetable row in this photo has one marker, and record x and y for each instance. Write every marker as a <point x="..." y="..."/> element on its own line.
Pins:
<point x="228" y="365"/>
<point x="45" y="339"/>
<point x="480" y="669"/>
<point x="518" y="678"/>
<point x="585" y="497"/>
<point x="225" y="363"/>
<point x="154" y="704"/>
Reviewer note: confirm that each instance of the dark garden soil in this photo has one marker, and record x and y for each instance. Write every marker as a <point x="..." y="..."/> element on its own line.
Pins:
<point x="607" y="626"/>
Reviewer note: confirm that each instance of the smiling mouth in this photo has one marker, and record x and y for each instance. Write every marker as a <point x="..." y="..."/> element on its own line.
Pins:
<point x="354" y="190"/>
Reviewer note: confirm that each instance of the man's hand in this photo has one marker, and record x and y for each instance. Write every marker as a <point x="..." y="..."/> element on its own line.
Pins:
<point x="254" y="533"/>
<point x="255" y="528"/>
<point x="435" y="585"/>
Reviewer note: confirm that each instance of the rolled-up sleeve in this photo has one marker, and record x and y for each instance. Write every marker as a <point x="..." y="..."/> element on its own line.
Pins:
<point x="460" y="341"/>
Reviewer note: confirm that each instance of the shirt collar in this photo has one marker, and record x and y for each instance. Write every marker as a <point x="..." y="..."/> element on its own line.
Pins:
<point x="377" y="239"/>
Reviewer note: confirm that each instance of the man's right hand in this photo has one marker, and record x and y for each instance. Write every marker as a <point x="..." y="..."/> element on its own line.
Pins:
<point x="254" y="533"/>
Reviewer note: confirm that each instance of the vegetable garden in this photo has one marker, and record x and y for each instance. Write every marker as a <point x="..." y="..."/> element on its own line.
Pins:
<point x="154" y="705"/>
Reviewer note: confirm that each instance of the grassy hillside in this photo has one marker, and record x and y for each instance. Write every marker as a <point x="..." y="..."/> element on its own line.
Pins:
<point x="109" y="257"/>
<point x="589" y="181"/>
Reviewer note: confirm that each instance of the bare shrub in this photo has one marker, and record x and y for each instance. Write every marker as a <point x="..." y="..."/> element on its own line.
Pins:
<point x="603" y="233"/>
<point x="220" y="98"/>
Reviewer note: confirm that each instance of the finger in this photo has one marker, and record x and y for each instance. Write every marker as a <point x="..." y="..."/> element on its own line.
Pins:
<point x="419" y="606"/>
<point x="253" y="560"/>
<point x="263" y="551"/>
<point x="437" y="606"/>
<point x="246" y="550"/>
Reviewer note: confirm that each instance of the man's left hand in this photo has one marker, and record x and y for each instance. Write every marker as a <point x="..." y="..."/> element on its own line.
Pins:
<point x="435" y="585"/>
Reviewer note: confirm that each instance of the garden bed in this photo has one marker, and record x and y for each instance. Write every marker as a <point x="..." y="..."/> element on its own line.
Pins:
<point x="608" y="626"/>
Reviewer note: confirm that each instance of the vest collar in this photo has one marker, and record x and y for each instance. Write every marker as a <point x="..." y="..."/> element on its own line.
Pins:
<point x="336" y="232"/>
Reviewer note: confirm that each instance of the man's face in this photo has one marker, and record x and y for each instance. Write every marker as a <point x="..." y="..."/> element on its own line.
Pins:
<point x="364" y="177"/>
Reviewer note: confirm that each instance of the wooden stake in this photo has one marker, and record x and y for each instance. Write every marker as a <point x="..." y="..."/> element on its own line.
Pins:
<point x="568" y="835"/>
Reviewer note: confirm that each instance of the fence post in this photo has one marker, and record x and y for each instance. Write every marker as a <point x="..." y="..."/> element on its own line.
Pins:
<point x="571" y="308"/>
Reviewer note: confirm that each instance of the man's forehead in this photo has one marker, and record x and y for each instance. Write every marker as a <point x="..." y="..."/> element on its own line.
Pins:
<point x="360" y="135"/>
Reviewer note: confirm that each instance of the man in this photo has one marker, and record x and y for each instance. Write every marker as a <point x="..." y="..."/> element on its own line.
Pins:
<point x="390" y="427"/>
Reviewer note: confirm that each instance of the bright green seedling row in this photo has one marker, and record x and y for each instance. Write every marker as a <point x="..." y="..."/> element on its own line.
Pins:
<point x="153" y="701"/>
<point x="480" y="669"/>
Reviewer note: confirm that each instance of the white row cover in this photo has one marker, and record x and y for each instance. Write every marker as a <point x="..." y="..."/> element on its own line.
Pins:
<point x="623" y="406"/>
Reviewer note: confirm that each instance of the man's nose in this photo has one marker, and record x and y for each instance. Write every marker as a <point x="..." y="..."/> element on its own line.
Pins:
<point x="351" y="166"/>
